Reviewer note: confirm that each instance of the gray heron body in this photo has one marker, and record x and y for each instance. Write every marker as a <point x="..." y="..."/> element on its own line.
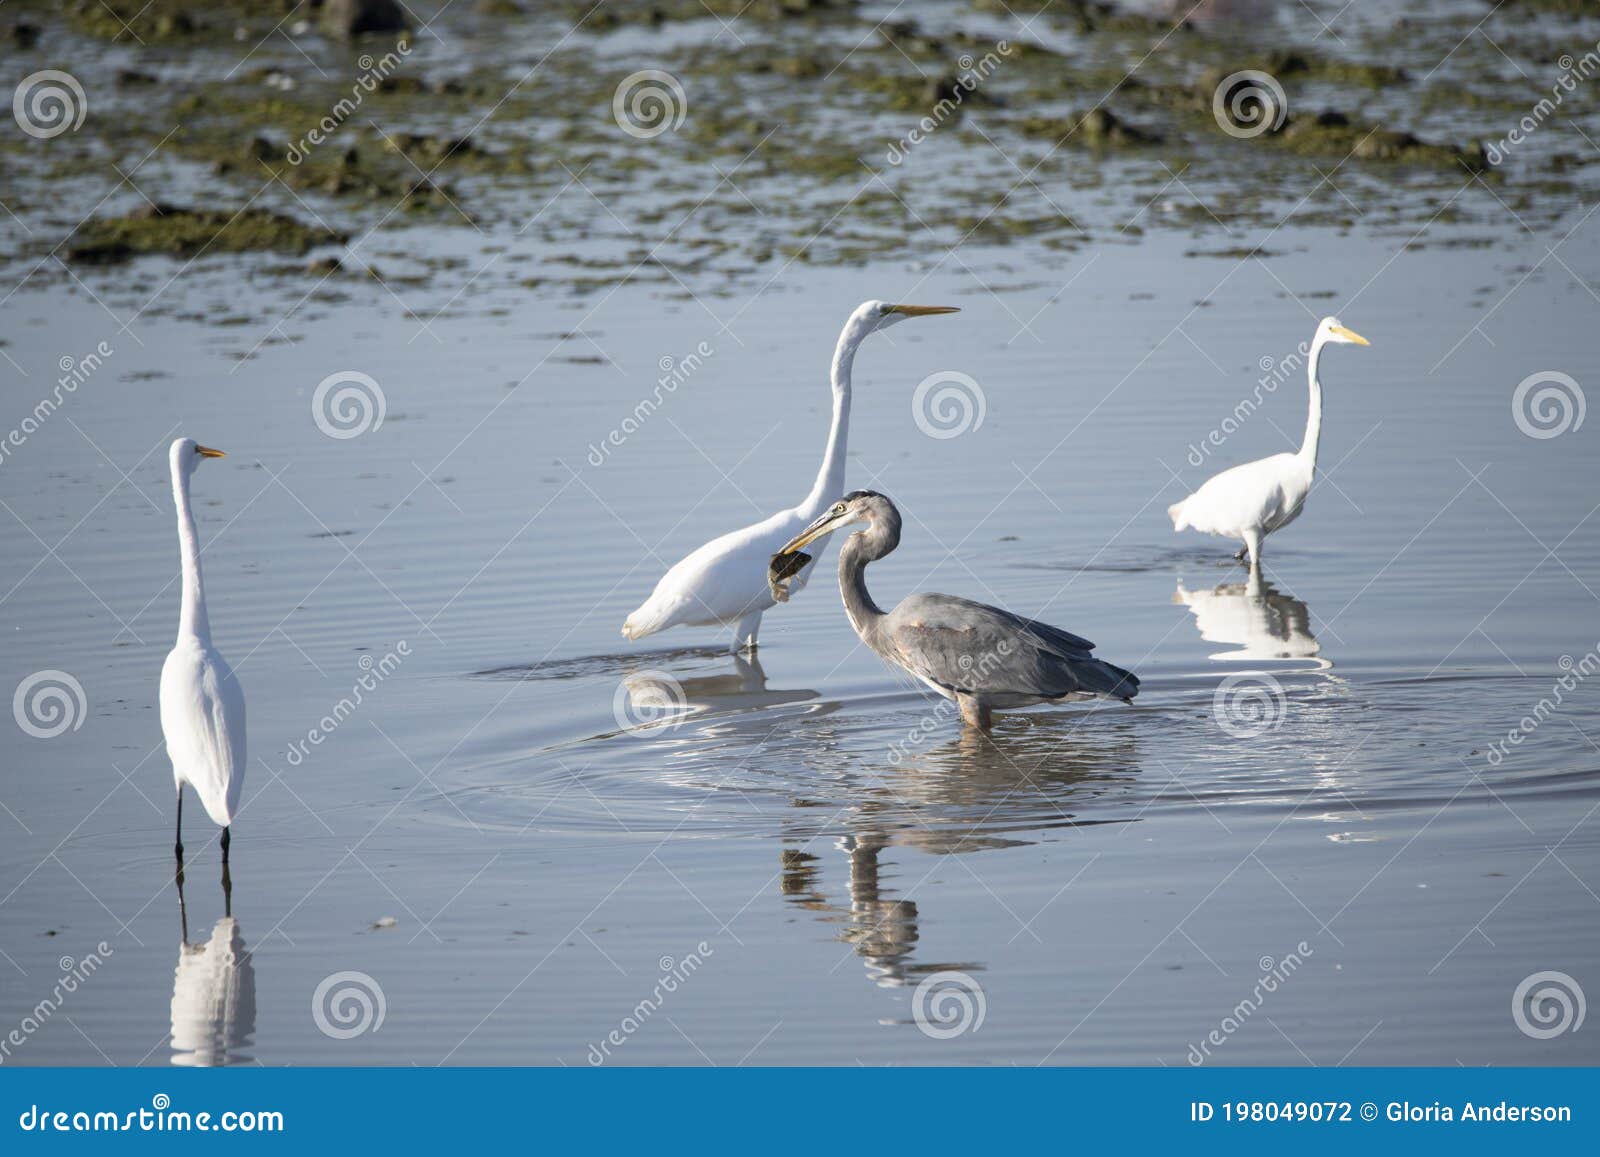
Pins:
<point x="983" y="658"/>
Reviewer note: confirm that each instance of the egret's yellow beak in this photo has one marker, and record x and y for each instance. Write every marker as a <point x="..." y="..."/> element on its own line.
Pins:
<point x="1349" y="335"/>
<point x="208" y="452"/>
<point x="923" y="310"/>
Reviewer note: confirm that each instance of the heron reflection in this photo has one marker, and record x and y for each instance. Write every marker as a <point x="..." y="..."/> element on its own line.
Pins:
<point x="966" y="794"/>
<point x="1256" y="618"/>
<point x="213" y="990"/>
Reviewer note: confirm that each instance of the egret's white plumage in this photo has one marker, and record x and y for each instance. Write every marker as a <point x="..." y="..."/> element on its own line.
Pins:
<point x="202" y="704"/>
<point x="1251" y="501"/>
<point x="724" y="582"/>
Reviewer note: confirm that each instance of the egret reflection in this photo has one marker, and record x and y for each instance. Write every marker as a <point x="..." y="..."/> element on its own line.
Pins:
<point x="1255" y="618"/>
<point x="213" y="991"/>
<point x="657" y="697"/>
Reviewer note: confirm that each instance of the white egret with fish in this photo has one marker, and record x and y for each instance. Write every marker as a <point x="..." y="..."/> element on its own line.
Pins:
<point x="724" y="582"/>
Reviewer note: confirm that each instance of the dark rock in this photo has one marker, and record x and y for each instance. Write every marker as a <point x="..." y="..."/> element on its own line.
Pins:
<point x="352" y="18"/>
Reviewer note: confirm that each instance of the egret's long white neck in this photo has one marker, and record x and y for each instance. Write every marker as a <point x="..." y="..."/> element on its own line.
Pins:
<point x="192" y="620"/>
<point x="830" y="475"/>
<point x="1308" y="448"/>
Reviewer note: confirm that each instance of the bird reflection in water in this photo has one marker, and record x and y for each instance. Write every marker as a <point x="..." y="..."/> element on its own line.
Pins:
<point x="1255" y="617"/>
<point x="657" y="697"/>
<point x="967" y="794"/>
<point x="213" y="990"/>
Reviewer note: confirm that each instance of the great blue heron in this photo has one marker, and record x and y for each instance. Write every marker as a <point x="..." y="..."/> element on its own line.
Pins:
<point x="1251" y="501"/>
<point x="983" y="658"/>
<point x="724" y="582"/>
<point x="202" y="704"/>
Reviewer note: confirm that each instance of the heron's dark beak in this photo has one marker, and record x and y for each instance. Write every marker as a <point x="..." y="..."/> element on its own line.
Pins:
<point x="923" y="310"/>
<point x="813" y="532"/>
<point x="208" y="452"/>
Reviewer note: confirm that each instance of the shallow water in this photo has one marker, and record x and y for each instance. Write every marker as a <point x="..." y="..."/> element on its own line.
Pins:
<point x="512" y="843"/>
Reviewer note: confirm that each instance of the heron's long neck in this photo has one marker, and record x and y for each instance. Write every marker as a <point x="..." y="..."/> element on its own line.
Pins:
<point x="830" y="475"/>
<point x="859" y="549"/>
<point x="192" y="620"/>
<point x="1308" y="448"/>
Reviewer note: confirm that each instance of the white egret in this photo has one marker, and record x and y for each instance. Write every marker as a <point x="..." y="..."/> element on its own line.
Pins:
<point x="1251" y="501"/>
<point x="202" y="704"/>
<point x="983" y="658"/>
<point x="724" y="582"/>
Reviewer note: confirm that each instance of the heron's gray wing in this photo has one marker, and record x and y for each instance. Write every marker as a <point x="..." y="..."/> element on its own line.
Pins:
<point x="979" y="649"/>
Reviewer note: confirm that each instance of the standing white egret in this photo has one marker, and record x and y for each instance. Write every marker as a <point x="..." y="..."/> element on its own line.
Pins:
<point x="724" y="582"/>
<point x="1251" y="501"/>
<point x="202" y="704"/>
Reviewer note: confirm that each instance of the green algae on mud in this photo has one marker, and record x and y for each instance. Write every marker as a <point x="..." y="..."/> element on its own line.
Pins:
<point x="792" y="145"/>
<point x="181" y="232"/>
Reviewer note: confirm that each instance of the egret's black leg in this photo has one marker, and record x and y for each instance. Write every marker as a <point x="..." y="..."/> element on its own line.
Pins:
<point x="177" y="847"/>
<point x="227" y="890"/>
<point x="226" y="840"/>
<point x="183" y="912"/>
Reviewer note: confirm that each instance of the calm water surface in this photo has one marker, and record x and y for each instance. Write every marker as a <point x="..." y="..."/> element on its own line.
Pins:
<point x="512" y="846"/>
